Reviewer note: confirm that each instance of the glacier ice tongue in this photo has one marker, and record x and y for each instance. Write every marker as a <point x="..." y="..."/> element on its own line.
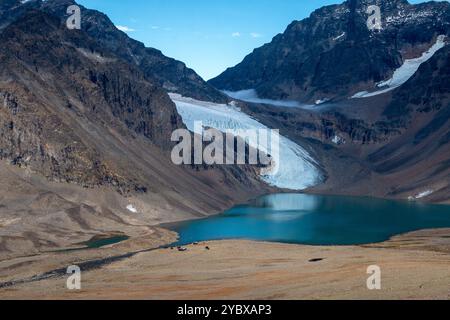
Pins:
<point x="296" y="170"/>
<point x="251" y="96"/>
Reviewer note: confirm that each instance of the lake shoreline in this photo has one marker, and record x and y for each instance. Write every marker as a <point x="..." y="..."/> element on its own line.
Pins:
<point x="319" y="220"/>
<point x="281" y="271"/>
<point x="415" y="248"/>
<point x="305" y="192"/>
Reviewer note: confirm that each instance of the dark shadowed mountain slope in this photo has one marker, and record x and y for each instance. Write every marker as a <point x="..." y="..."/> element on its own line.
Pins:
<point x="10" y="10"/>
<point x="421" y="108"/>
<point x="393" y="145"/>
<point x="333" y="54"/>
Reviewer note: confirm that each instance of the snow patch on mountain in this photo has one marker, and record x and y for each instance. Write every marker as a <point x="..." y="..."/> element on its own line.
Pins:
<point x="321" y="101"/>
<point x="410" y="66"/>
<point x="404" y="16"/>
<point x="421" y="195"/>
<point x="296" y="169"/>
<point x="404" y="72"/>
<point x="93" y="56"/>
<point x="131" y="208"/>
<point x="367" y="94"/>
<point x="339" y="36"/>
<point x="424" y="194"/>
<point x="338" y="140"/>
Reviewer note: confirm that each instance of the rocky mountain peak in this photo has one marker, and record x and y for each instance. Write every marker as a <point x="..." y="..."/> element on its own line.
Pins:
<point x="333" y="54"/>
<point x="383" y="4"/>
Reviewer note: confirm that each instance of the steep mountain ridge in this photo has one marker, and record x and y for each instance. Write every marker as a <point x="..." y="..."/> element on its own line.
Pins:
<point x="169" y="73"/>
<point x="332" y="54"/>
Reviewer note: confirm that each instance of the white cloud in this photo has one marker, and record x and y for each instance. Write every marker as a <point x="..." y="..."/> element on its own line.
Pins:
<point x="155" y="27"/>
<point x="125" y="28"/>
<point x="255" y="35"/>
<point x="236" y="34"/>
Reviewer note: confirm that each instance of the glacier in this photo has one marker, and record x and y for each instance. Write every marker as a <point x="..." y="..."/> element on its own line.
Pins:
<point x="295" y="170"/>
<point x="251" y="96"/>
<point x="404" y="72"/>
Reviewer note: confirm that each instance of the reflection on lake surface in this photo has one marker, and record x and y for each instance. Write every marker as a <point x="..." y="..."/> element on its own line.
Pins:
<point x="316" y="220"/>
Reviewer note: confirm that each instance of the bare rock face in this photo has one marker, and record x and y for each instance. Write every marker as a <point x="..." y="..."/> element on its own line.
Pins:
<point x="333" y="54"/>
<point x="11" y="10"/>
<point x="49" y="75"/>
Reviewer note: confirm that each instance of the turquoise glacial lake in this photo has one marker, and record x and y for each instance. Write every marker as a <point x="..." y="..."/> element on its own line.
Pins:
<point x="316" y="220"/>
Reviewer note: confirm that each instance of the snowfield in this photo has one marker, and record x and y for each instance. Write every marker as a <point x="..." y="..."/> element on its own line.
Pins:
<point x="131" y="208"/>
<point x="295" y="170"/>
<point x="404" y="72"/>
<point x="339" y="36"/>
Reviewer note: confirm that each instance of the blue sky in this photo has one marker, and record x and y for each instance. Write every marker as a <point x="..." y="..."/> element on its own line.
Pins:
<point x="208" y="35"/>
